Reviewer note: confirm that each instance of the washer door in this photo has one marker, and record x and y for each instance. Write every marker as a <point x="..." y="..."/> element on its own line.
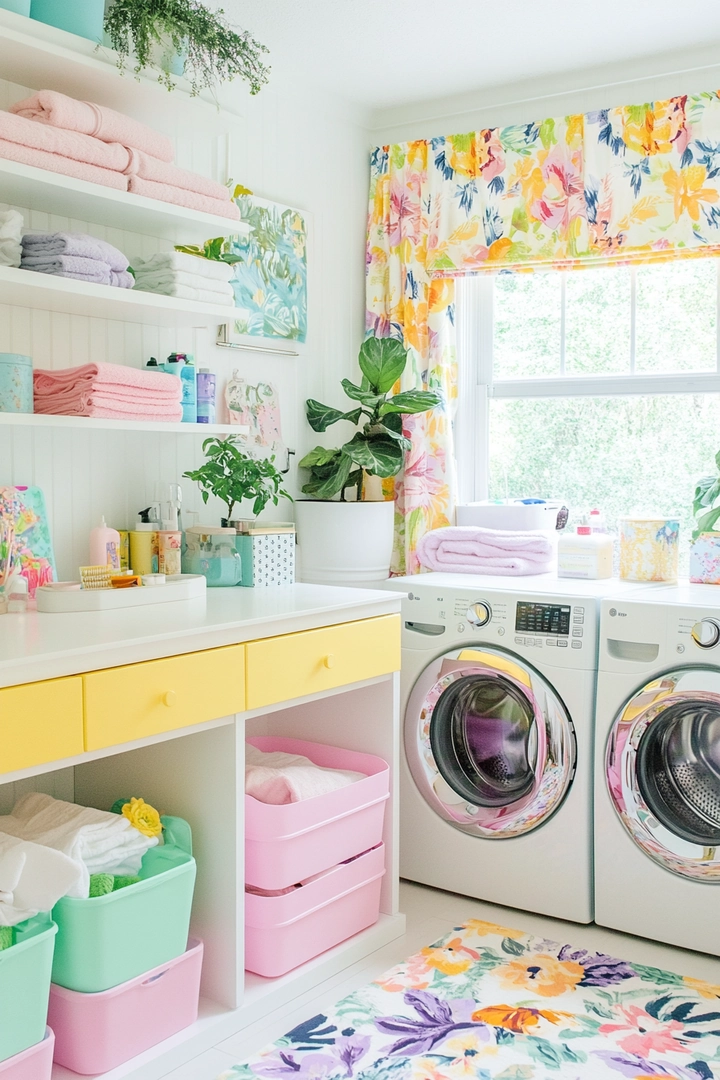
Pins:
<point x="663" y="771"/>
<point x="489" y="743"/>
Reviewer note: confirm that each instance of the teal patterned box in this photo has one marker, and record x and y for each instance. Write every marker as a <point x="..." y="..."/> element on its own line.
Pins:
<point x="267" y="553"/>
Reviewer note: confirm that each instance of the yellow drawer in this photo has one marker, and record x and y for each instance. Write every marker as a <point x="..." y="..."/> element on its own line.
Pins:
<point x="293" y="666"/>
<point x="133" y="702"/>
<point x="40" y="722"/>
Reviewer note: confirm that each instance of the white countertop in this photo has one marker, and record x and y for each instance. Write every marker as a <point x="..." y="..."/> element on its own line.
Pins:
<point x="39" y="646"/>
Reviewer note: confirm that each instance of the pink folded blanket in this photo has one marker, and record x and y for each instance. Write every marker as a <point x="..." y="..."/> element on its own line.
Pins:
<point x="66" y="144"/>
<point x="106" y="378"/>
<point x="471" y="550"/>
<point x="106" y="125"/>
<point x="193" y="200"/>
<point x="161" y="172"/>
<point x="66" y="166"/>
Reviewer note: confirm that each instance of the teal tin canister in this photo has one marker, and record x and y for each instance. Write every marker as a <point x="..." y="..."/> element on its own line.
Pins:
<point x="82" y="17"/>
<point x="16" y="383"/>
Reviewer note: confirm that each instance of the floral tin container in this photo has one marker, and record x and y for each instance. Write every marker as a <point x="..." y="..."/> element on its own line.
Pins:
<point x="705" y="559"/>
<point x="649" y="548"/>
<point x="267" y="551"/>
<point x="16" y="383"/>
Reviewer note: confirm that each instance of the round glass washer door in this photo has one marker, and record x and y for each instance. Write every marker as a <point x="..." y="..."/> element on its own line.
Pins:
<point x="489" y="743"/>
<point x="663" y="771"/>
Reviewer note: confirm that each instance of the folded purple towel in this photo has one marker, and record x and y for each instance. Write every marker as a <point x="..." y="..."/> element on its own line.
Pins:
<point x="74" y="266"/>
<point x="77" y="244"/>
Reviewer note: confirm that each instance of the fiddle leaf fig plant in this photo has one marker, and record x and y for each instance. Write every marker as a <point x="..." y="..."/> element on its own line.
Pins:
<point x="706" y="502"/>
<point x="233" y="476"/>
<point x="378" y="448"/>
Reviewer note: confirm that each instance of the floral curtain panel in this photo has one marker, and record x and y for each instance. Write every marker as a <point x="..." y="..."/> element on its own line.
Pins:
<point x="634" y="183"/>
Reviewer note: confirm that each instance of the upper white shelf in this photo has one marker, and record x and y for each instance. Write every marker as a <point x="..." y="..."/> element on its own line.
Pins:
<point x="37" y="189"/>
<point x="91" y="423"/>
<point x="42" y="57"/>
<point x="26" y="288"/>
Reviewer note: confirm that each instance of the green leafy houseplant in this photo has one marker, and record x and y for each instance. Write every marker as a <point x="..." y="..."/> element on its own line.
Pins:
<point x="378" y="448"/>
<point x="212" y="250"/>
<point x="214" y="53"/>
<point x="706" y="502"/>
<point x="233" y="476"/>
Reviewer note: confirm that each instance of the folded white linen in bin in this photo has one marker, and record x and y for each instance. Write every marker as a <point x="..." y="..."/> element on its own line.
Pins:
<point x="98" y="842"/>
<point x="278" y="778"/>
<point x="32" y="879"/>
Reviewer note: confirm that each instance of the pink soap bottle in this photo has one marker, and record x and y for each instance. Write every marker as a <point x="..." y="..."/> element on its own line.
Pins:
<point x="105" y="546"/>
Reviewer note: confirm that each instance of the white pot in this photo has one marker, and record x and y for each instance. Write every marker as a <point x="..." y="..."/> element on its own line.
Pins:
<point x="344" y="543"/>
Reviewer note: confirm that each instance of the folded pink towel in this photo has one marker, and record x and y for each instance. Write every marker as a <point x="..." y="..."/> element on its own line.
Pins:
<point x="471" y="550"/>
<point x="79" y="170"/>
<point x="162" y="172"/>
<point x="107" y="378"/>
<point x="61" y="111"/>
<point x="66" y="144"/>
<point x="181" y="197"/>
<point x="171" y="417"/>
<point x="109" y="406"/>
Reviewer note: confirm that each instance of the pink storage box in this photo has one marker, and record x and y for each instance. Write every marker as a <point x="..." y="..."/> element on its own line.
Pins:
<point x="95" y="1033"/>
<point x="282" y="932"/>
<point x="289" y="843"/>
<point x="32" y="1064"/>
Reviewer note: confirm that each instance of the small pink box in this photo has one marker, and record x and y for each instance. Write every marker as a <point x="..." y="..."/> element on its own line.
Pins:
<point x="95" y="1033"/>
<point x="282" y="932"/>
<point x="289" y="843"/>
<point x="34" y="1063"/>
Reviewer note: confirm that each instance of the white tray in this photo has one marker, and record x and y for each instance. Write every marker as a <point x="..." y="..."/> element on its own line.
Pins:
<point x="178" y="587"/>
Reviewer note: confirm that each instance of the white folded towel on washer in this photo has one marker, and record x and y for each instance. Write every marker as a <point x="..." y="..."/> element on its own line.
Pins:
<point x="98" y="842"/>
<point x="32" y="879"/>
<point x="277" y="777"/>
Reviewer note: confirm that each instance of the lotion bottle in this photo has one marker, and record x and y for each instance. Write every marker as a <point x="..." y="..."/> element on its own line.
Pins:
<point x="585" y="554"/>
<point x="105" y="546"/>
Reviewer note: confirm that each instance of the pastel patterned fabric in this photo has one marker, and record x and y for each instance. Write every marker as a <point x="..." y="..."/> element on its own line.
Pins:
<point x="634" y="183"/>
<point x="488" y="1003"/>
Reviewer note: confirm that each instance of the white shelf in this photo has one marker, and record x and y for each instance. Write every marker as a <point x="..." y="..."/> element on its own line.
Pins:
<point x="37" y="189"/>
<point x="42" y="57"/>
<point x="26" y="288"/>
<point x="90" y="423"/>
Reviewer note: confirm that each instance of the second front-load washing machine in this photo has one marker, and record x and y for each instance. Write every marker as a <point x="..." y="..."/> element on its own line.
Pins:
<point x="498" y="685"/>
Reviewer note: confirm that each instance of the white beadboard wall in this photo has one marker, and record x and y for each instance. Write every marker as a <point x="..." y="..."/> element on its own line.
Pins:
<point x="289" y="146"/>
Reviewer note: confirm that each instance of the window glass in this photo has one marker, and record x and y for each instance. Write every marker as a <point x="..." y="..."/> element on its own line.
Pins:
<point x="526" y="338"/>
<point x="597" y="321"/>
<point x="676" y="316"/>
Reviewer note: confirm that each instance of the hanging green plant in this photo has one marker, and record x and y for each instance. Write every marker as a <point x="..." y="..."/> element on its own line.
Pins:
<point x="213" y="53"/>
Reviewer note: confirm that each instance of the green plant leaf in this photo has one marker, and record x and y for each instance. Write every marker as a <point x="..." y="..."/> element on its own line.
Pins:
<point x="402" y="441"/>
<point x="319" y="456"/>
<point x="411" y="401"/>
<point x="329" y="480"/>
<point x="382" y="362"/>
<point x="320" y="416"/>
<point x="379" y="455"/>
<point x="365" y="397"/>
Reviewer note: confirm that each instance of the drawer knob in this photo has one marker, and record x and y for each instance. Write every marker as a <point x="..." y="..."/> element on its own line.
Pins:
<point x="329" y="660"/>
<point x="169" y="698"/>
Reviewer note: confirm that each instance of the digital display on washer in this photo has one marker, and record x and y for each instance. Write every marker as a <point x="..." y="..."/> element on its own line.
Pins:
<point x="542" y="618"/>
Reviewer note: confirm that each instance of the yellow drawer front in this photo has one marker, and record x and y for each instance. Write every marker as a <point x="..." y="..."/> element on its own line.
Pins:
<point x="40" y="722"/>
<point x="127" y="703"/>
<point x="284" y="668"/>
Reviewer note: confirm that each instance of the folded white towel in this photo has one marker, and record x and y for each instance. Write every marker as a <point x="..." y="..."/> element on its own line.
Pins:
<point x="179" y="260"/>
<point x="98" y="842"/>
<point x="158" y="278"/>
<point x="186" y="292"/>
<point x="11" y="232"/>
<point x="278" y="778"/>
<point x="32" y="879"/>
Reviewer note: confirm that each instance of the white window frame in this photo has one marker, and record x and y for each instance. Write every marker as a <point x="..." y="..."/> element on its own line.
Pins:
<point x="476" y="384"/>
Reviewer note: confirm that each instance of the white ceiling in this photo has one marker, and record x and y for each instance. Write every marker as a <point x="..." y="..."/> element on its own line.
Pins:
<point x="381" y="53"/>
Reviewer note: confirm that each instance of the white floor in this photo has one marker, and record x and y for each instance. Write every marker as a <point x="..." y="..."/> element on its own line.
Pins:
<point x="430" y="914"/>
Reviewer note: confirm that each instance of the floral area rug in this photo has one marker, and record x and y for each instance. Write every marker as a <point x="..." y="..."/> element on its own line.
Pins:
<point x="487" y="1003"/>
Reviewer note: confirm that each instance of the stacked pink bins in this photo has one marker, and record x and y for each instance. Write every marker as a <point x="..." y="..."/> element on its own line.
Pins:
<point x="327" y="852"/>
<point x="33" y="1064"/>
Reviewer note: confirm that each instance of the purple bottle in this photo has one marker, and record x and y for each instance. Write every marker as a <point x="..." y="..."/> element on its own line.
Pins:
<point x="205" y="396"/>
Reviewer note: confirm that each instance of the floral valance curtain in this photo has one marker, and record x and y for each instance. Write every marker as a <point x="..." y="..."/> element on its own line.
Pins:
<point x="634" y="183"/>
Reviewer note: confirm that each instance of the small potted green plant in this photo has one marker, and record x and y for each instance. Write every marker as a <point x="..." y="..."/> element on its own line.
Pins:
<point x="705" y="547"/>
<point x="184" y="37"/>
<point x="351" y="541"/>
<point x="267" y="550"/>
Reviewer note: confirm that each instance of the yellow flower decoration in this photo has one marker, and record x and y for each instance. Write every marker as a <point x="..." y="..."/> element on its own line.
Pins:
<point x="705" y="989"/>
<point x="451" y="959"/>
<point x="143" y="817"/>
<point x="482" y="929"/>
<point x="542" y="974"/>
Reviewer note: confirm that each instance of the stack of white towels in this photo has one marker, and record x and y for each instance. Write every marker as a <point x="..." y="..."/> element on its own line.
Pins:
<point x="11" y="234"/>
<point x="49" y="849"/>
<point x="188" y="277"/>
<point x="277" y="777"/>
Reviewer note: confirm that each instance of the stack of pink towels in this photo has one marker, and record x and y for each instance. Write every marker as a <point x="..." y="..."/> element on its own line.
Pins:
<point x="90" y="142"/>
<point x="109" y="391"/>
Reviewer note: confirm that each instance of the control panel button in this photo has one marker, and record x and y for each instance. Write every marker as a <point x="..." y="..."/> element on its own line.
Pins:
<point x="577" y="632"/>
<point x="461" y="628"/>
<point x="578" y="619"/>
<point x="550" y="641"/>
<point x="562" y="643"/>
<point x="706" y="633"/>
<point x="577" y="644"/>
<point x="579" y="610"/>
<point x="479" y="614"/>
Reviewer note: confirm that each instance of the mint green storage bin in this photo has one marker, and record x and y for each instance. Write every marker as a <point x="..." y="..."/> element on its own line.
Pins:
<point x="106" y="940"/>
<point x="25" y="985"/>
<point x="82" y="17"/>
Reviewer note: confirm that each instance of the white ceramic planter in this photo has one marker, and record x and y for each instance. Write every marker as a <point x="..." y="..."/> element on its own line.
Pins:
<point x="344" y="543"/>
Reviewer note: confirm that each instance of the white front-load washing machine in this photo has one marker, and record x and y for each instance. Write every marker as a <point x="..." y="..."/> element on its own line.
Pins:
<point x="657" y="767"/>
<point x="498" y="686"/>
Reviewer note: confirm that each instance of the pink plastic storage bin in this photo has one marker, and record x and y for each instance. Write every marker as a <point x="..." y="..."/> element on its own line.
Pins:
<point x="33" y="1064"/>
<point x="289" y="843"/>
<point x="282" y="932"/>
<point x="95" y="1033"/>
